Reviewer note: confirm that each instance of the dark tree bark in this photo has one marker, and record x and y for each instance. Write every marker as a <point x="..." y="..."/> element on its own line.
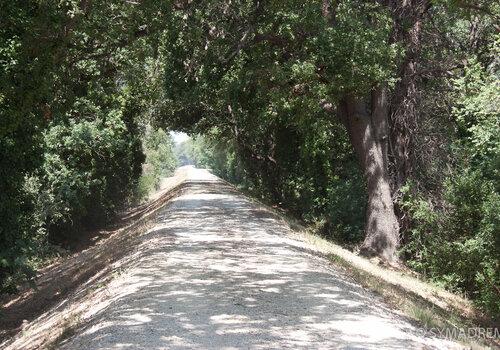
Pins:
<point x="367" y="126"/>
<point x="404" y="108"/>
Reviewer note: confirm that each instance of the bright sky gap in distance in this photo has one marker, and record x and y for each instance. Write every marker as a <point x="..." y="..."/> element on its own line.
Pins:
<point x="179" y="137"/>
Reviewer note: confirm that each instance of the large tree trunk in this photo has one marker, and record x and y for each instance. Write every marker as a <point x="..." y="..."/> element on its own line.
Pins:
<point x="368" y="132"/>
<point x="367" y="126"/>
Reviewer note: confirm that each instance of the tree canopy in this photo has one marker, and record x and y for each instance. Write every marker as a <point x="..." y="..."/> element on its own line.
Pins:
<point x="376" y="122"/>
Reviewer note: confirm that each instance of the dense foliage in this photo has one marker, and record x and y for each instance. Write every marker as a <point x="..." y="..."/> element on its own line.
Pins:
<point x="89" y="168"/>
<point x="72" y="104"/>
<point x="268" y="88"/>
<point x="455" y="238"/>
<point x="375" y="121"/>
<point x="160" y="161"/>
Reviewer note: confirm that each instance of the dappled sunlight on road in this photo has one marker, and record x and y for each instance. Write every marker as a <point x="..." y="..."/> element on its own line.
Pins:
<point x="219" y="272"/>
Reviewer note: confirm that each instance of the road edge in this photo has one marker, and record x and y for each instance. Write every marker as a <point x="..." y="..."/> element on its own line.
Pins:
<point x="434" y="310"/>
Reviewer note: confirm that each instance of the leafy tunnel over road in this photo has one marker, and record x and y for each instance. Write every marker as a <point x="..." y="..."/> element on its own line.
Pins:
<point x="216" y="271"/>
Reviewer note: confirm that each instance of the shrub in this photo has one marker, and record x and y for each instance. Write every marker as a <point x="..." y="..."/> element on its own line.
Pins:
<point x="455" y="238"/>
<point x="457" y="243"/>
<point x="24" y="244"/>
<point x="90" y="169"/>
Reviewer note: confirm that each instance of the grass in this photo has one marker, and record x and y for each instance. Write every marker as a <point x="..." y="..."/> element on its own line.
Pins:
<point x="423" y="312"/>
<point x="424" y="315"/>
<point x="427" y="305"/>
<point x="68" y="329"/>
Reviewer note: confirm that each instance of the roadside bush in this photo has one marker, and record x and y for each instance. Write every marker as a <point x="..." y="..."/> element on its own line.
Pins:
<point x="160" y="161"/>
<point x="346" y="209"/>
<point x="455" y="236"/>
<point x="457" y="244"/>
<point x="23" y="245"/>
<point x="90" y="169"/>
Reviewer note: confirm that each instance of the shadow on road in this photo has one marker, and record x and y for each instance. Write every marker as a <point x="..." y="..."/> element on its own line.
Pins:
<point x="214" y="274"/>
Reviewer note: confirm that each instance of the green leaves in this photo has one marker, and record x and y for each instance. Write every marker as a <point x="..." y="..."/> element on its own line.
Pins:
<point x="69" y="82"/>
<point x="160" y="161"/>
<point x="88" y="168"/>
<point x="477" y="111"/>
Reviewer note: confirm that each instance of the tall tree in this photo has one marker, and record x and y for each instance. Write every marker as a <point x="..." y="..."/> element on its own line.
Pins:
<point x="251" y="68"/>
<point x="236" y="65"/>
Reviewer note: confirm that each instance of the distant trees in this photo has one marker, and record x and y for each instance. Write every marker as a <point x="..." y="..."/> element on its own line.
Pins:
<point x="161" y="160"/>
<point x="184" y="153"/>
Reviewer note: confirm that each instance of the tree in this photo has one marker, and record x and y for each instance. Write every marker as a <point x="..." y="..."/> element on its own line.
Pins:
<point x="66" y="69"/>
<point x="268" y="63"/>
<point x="248" y="67"/>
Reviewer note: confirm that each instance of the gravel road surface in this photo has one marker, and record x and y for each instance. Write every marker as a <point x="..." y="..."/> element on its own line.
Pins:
<point x="219" y="272"/>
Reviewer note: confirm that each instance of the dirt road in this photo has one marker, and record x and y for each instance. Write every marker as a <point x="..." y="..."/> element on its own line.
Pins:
<point x="218" y="272"/>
